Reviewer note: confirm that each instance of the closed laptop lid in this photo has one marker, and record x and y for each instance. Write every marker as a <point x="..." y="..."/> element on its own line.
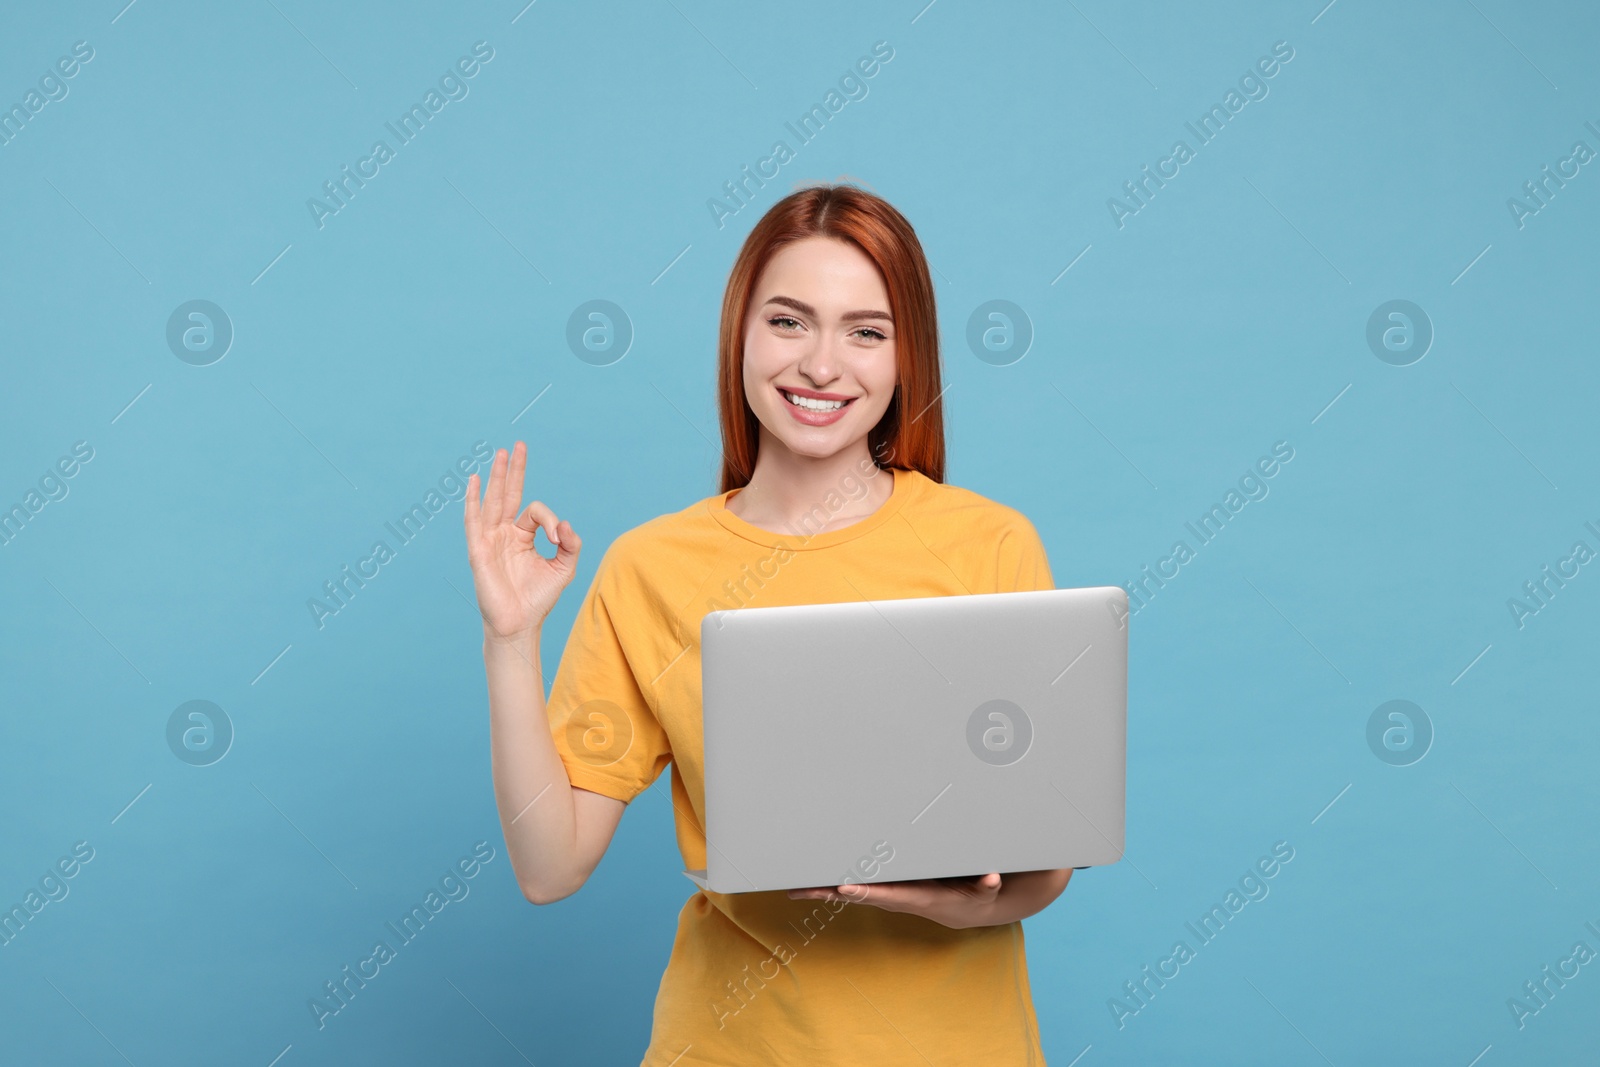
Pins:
<point x="917" y="738"/>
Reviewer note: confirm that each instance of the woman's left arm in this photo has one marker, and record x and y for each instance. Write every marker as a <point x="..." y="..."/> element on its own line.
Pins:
<point x="959" y="903"/>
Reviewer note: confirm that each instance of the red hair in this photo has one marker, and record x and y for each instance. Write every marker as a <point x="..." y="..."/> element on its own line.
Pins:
<point x="911" y="433"/>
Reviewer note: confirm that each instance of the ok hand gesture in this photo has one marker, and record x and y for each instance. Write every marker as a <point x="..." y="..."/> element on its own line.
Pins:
<point x="516" y="585"/>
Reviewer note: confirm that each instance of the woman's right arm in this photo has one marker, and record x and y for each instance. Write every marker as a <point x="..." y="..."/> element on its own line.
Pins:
<point x="555" y="832"/>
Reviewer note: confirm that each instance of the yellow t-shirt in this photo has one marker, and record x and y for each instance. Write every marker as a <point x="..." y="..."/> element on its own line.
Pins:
<point x="758" y="978"/>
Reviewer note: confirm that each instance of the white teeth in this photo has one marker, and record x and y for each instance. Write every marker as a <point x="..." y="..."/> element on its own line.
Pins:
<point x="813" y="405"/>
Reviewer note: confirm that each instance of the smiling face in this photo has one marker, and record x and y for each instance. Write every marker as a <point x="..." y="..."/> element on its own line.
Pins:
<point x="819" y="331"/>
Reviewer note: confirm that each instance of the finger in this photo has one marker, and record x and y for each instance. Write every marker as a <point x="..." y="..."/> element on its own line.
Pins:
<point x="471" y="518"/>
<point x="810" y="892"/>
<point x="561" y="534"/>
<point x="492" y="513"/>
<point x="883" y="895"/>
<point x="538" y="515"/>
<point x="964" y="881"/>
<point x="512" y="501"/>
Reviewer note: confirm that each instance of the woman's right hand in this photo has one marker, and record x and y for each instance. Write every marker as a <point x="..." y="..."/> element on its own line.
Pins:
<point x="517" y="586"/>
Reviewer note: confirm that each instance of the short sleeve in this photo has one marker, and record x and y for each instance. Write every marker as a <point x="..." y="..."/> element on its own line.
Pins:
<point x="1023" y="565"/>
<point x="606" y="732"/>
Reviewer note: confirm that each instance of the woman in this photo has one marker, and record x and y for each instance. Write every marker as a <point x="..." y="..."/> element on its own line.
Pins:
<point x="832" y="490"/>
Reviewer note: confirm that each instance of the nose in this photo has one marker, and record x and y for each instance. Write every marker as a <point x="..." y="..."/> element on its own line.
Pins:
<point x="822" y="363"/>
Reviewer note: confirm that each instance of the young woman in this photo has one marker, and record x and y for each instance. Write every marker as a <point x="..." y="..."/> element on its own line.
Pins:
<point x="832" y="490"/>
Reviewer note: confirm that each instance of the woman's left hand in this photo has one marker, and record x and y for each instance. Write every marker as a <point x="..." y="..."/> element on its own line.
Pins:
<point x="958" y="903"/>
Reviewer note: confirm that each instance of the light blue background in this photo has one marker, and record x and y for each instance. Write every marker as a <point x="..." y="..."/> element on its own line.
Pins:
<point x="1226" y="315"/>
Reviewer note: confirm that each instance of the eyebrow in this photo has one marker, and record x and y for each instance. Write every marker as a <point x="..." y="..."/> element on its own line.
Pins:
<point x="849" y="316"/>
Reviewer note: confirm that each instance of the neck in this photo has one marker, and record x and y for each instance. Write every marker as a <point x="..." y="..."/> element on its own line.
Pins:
<point x="787" y="490"/>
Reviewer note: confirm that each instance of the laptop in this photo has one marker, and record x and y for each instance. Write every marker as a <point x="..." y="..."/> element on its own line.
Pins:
<point x="927" y="737"/>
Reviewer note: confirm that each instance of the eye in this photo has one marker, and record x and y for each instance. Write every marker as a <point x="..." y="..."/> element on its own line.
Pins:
<point x="776" y="319"/>
<point x="872" y="332"/>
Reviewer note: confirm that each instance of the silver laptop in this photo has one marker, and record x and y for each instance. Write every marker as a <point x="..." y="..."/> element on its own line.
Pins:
<point x="928" y="737"/>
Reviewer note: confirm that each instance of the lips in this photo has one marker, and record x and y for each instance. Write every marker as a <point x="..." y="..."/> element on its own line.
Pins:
<point x="811" y="394"/>
<point x="810" y="417"/>
<point x="823" y="404"/>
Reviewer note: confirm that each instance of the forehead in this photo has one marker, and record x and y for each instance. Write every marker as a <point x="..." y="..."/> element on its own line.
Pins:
<point x="822" y="270"/>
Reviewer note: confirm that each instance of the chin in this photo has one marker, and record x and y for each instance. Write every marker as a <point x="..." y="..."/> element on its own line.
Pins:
<point x="812" y="450"/>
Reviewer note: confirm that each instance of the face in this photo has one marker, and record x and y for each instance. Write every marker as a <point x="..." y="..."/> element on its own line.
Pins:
<point x="819" y="331"/>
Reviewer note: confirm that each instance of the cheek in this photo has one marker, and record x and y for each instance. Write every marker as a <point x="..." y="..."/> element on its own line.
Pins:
<point x="759" y="370"/>
<point x="758" y="356"/>
<point x="880" y="374"/>
<point x="886" y="367"/>
<point x="752" y="361"/>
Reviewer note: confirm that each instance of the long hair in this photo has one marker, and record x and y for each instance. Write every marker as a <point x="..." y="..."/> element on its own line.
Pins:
<point x="911" y="433"/>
